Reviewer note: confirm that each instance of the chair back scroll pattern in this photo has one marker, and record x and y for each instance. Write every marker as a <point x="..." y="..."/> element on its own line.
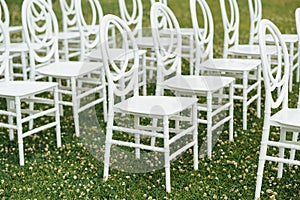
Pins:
<point x="122" y="76"/>
<point x="275" y="75"/>
<point x="230" y="23"/>
<point x="204" y="34"/>
<point x="40" y="30"/>
<point x="4" y="57"/>
<point x="167" y="42"/>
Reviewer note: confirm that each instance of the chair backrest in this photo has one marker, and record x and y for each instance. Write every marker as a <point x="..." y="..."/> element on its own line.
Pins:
<point x="133" y="19"/>
<point x="89" y="27"/>
<point x="167" y="42"/>
<point x="4" y="56"/>
<point x="122" y="76"/>
<point x="40" y="31"/>
<point x="255" y="10"/>
<point x="160" y="1"/>
<point x="204" y="31"/>
<point x="68" y="11"/>
<point x="276" y="76"/>
<point x="4" y="13"/>
<point x="230" y="23"/>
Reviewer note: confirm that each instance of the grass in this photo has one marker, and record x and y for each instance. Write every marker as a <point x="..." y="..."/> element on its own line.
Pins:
<point x="74" y="172"/>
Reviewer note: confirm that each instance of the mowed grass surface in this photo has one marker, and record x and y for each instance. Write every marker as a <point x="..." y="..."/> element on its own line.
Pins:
<point x="72" y="172"/>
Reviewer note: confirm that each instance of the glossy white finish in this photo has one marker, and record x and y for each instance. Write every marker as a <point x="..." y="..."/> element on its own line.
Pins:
<point x="155" y="105"/>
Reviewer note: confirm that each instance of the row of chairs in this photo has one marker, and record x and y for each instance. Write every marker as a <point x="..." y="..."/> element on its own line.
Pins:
<point x="124" y="80"/>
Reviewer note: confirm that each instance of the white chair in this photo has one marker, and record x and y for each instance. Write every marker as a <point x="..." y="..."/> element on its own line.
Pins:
<point x="41" y="33"/>
<point x="90" y="37"/>
<point x="70" y="36"/>
<point x="164" y="108"/>
<point x="18" y="94"/>
<point x="292" y="40"/>
<point x="231" y="22"/>
<point x="18" y="49"/>
<point x="246" y="70"/>
<point x="169" y="77"/>
<point x="287" y="119"/>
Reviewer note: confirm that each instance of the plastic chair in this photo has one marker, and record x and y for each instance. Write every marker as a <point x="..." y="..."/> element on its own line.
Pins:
<point x="39" y="20"/>
<point x="246" y="70"/>
<point x="18" y="49"/>
<point x="291" y="40"/>
<point x="164" y="108"/>
<point x="70" y="36"/>
<point x="169" y="76"/>
<point x="90" y="37"/>
<point x="231" y="33"/>
<point x="287" y="119"/>
<point x="19" y="93"/>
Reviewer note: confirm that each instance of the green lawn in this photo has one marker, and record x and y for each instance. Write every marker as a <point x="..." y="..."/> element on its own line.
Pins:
<point x="75" y="170"/>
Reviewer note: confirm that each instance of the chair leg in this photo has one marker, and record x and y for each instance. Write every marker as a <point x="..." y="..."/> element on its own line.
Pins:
<point x="137" y="138"/>
<point x="262" y="160"/>
<point x="281" y="152"/>
<point x="245" y="98"/>
<point x="103" y="82"/>
<point x="195" y="135"/>
<point x="209" y="124"/>
<point x="57" y="117"/>
<point x="258" y="103"/>
<point x="10" y="107"/>
<point x="167" y="153"/>
<point x="31" y="108"/>
<point x="231" y="94"/>
<point x="109" y="133"/>
<point x="293" y="151"/>
<point x="20" y="130"/>
<point x="75" y="106"/>
<point x="154" y="125"/>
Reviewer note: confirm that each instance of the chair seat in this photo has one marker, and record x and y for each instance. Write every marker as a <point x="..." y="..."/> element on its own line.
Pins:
<point x="231" y="65"/>
<point x="288" y="38"/>
<point x="187" y="31"/>
<point x="147" y="42"/>
<point x="16" y="47"/>
<point x="116" y="54"/>
<point x="68" y="35"/>
<point x="15" y="29"/>
<point x="155" y="105"/>
<point x="193" y="84"/>
<point x="69" y="69"/>
<point x="250" y="50"/>
<point x="287" y="117"/>
<point x="23" y="88"/>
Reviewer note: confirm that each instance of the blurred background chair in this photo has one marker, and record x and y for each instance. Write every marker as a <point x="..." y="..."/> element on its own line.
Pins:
<point x="18" y="48"/>
<point x="291" y="40"/>
<point x="41" y="34"/>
